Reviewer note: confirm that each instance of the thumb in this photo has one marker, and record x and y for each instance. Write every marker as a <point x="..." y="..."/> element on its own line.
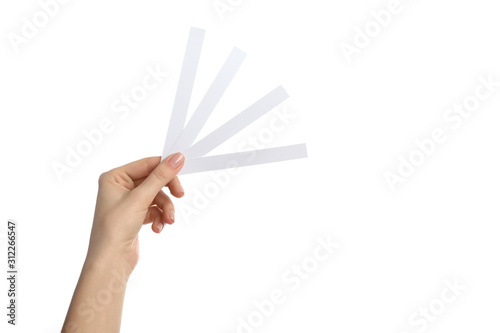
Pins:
<point x="159" y="177"/>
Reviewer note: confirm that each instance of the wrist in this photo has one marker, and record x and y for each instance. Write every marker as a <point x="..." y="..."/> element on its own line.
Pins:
<point x="109" y="261"/>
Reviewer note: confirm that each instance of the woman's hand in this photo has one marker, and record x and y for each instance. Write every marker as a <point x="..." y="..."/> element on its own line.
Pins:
<point x="129" y="197"/>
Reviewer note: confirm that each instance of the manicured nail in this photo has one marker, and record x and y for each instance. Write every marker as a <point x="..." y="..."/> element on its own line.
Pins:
<point x="176" y="160"/>
<point x="171" y="215"/>
<point x="160" y="227"/>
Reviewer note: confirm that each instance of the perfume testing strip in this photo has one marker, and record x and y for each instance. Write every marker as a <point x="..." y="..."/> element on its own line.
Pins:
<point x="184" y="88"/>
<point x="209" y="101"/>
<point x="237" y="123"/>
<point x="180" y="136"/>
<point x="247" y="158"/>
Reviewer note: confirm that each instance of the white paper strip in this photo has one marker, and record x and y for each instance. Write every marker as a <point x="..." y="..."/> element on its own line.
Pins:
<point x="184" y="88"/>
<point x="236" y="160"/>
<point x="209" y="101"/>
<point x="237" y="123"/>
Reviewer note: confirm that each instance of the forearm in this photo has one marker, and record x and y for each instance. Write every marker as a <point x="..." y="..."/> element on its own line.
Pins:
<point x="98" y="298"/>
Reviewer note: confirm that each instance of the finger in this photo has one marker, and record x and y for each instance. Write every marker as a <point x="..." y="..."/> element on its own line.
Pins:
<point x="154" y="215"/>
<point x="167" y="206"/>
<point x="139" y="181"/>
<point x="141" y="168"/>
<point x="161" y="175"/>
<point x="175" y="187"/>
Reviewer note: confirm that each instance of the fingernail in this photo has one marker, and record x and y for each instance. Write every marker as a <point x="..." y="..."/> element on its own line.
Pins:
<point x="171" y="215"/>
<point x="176" y="160"/>
<point x="160" y="227"/>
<point x="181" y="189"/>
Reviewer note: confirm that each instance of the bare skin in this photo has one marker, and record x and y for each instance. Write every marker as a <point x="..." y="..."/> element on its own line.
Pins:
<point x="129" y="197"/>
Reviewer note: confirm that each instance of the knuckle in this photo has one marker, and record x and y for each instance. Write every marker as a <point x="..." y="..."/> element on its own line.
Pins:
<point x="167" y="204"/>
<point x="103" y="178"/>
<point x="108" y="176"/>
<point x="161" y="172"/>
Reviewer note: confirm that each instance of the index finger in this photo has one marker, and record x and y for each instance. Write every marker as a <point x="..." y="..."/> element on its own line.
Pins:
<point x="141" y="168"/>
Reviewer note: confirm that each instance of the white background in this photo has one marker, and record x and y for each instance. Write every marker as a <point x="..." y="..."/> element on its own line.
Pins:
<point x="397" y="248"/>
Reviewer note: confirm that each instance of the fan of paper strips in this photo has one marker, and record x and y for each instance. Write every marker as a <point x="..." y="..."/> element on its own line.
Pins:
<point x="181" y="136"/>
